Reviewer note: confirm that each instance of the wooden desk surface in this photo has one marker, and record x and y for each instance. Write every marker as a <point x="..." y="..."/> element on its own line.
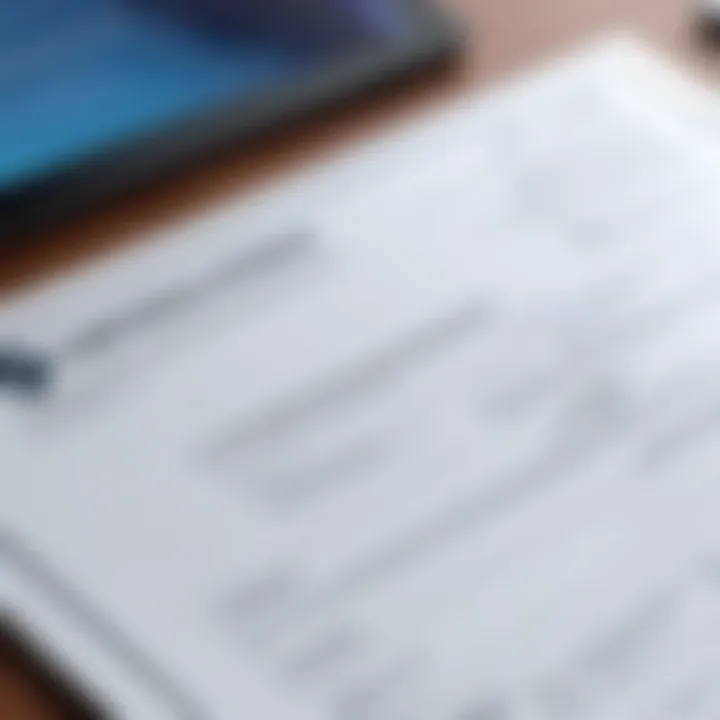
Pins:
<point x="504" y="36"/>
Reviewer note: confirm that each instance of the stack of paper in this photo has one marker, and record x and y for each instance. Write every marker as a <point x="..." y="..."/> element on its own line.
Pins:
<point x="429" y="433"/>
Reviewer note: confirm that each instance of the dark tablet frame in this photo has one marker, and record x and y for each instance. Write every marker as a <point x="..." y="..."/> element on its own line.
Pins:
<point x="129" y="166"/>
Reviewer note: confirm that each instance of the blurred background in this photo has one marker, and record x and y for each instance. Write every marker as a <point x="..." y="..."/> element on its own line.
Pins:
<point x="500" y="37"/>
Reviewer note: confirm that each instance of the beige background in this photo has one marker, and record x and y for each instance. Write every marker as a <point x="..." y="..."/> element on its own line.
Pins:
<point x="503" y="37"/>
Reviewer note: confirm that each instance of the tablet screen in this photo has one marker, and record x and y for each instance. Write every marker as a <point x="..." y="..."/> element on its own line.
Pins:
<point x="79" y="76"/>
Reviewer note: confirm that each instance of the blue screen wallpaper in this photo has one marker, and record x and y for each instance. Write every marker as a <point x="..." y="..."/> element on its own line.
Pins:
<point x="77" y="76"/>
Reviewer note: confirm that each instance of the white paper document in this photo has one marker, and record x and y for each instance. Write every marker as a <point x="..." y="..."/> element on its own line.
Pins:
<point x="431" y="432"/>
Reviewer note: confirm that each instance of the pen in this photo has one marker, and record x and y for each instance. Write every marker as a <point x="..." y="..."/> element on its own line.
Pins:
<point x="24" y="371"/>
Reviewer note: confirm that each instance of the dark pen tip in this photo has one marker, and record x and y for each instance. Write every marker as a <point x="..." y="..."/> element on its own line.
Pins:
<point x="24" y="371"/>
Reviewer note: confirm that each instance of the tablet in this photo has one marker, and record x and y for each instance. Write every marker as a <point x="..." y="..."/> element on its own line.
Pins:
<point x="100" y="96"/>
